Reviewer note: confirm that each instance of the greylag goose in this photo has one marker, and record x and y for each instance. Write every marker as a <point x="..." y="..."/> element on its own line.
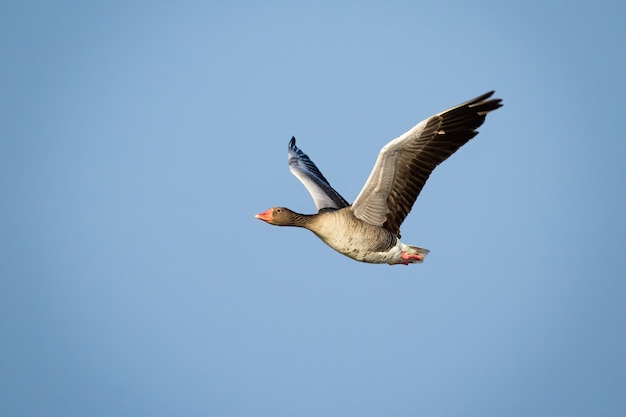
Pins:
<point x="369" y="229"/>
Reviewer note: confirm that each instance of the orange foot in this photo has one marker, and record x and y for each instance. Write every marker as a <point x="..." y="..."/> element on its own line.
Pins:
<point x="407" y="258"/>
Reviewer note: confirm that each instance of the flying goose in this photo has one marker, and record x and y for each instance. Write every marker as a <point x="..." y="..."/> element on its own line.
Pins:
<point x="368" y="230"/>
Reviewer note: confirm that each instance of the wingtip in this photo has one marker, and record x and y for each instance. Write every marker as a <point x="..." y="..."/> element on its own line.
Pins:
<point x="485" y="99"/>
<point x="485" y="96"/>
<point x="497" y="100"/>
<point x="292" y="142"/>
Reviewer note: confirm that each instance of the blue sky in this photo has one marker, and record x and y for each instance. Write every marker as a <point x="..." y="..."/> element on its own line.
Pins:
<point x="138" y="139"/>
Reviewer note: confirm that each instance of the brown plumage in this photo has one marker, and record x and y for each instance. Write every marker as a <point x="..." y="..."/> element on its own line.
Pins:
<point x="369" y="229"/>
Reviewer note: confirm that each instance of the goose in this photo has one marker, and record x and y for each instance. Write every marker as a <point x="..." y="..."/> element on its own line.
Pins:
<point x="368" y="230"/>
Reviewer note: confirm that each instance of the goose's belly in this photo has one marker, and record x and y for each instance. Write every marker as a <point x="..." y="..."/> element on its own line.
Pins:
<point x="371" y="256"/>
<point x="362" y="242"/>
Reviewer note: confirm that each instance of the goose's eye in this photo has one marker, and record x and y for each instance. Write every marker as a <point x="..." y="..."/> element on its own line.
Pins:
<point x="278" y="210"/>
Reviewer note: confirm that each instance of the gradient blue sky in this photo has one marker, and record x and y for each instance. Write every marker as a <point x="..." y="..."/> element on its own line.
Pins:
<point x="138" y="139"/>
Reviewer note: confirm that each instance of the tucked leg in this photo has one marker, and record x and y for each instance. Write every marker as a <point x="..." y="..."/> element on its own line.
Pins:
<point x="409" y="257"/>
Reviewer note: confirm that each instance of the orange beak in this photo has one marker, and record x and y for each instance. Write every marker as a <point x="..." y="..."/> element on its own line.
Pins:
<point x="266" y="216"/>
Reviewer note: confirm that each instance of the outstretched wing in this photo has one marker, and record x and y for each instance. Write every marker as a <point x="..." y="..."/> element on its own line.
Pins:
<point x="318" y="186"/>
<point x="405" y="163"/>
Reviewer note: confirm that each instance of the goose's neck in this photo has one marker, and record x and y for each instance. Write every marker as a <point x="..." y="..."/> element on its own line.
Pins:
<point x="301" y="220"/>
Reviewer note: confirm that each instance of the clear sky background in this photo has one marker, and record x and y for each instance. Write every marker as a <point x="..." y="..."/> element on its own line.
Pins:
<point x="138" y="139"/>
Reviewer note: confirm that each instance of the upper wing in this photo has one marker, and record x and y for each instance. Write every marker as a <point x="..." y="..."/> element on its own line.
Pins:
<point x="302" y="167"/>
<point x="405" y="163"/>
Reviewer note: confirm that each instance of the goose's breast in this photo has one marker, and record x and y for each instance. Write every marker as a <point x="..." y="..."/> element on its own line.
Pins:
<point x="355" y="238"/>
